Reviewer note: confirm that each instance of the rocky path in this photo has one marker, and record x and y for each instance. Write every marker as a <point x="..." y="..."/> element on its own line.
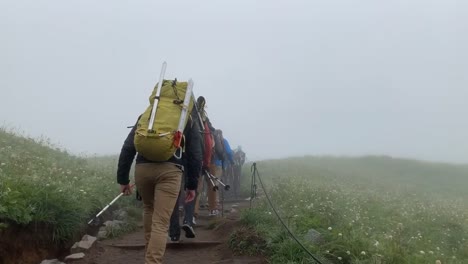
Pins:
<point x="210" y="245"/>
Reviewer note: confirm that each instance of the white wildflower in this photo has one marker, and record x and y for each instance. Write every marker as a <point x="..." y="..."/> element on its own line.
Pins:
<point x="376" y="244"/>
<point x="3" y="164"/>
<point x="339" y="234"/>
<point x="348" y="252"/>
<point x="330" y="228"/>
<point x="363" y="253"/>
<point x="422" y="252"/>
<point x="340" y="258"/>
<point x="431" y="252"/>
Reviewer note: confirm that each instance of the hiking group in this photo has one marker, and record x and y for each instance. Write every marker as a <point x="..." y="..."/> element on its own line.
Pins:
<point x="177" y="149"/>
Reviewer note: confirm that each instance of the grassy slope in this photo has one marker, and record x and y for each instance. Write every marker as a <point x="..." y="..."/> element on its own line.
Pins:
<point x="393" y="210"/>
<point x="43" y="184"/>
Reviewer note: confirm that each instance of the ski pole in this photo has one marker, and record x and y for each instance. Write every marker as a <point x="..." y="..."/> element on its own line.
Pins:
<point x="108" y="205"/>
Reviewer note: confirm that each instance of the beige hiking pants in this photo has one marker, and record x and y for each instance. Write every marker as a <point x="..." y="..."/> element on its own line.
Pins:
<point x="159" y="185"/>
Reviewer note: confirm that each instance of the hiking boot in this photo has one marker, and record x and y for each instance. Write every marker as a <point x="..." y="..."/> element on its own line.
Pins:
<point x="189" y="233"/>
<point x="214" y="213"/>
<point x="174" y="238"/>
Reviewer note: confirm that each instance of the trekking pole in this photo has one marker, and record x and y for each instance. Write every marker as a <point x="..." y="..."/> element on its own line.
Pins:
<point x="207" y="174"/>
<point x="253" y="184"/>
<point x="222" y="203"/>
<point x="238" y="173"/>
<point x="108" y="205"/>
<point x="212" y="177"/>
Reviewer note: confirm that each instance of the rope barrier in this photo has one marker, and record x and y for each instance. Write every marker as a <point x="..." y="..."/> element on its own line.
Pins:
<point x="253" y="194"/>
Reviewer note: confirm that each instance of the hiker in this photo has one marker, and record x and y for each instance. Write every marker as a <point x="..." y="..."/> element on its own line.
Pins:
<point x="158" y="181"/>
<point x="174" y="226"/>
<point x="190" y="208"/>
<point x="207" y="154"/>
<point x="228" y="165"/>
<point x="228" y="159"/>
<point x="222" y="157"/>
<point x="239" y="160"/>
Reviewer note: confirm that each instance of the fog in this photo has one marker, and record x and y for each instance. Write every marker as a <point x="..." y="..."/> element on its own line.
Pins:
<point x="281" y="78"/>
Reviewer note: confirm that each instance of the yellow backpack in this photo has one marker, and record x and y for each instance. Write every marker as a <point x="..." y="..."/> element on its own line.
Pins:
<point x="159" y="132"/>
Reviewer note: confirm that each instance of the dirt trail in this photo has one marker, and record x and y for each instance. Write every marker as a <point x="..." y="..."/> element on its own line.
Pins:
<point x="210" y="245"/>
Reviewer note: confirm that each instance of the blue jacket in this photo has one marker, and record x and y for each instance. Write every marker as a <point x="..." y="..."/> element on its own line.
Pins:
<point x="229" y="154"/>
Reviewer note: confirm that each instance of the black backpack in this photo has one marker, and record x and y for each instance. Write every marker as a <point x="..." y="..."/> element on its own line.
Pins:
<point x="219" y="145"/>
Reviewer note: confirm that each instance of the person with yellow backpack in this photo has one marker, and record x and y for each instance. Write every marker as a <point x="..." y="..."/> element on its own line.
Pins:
<point x="166" y="141"/>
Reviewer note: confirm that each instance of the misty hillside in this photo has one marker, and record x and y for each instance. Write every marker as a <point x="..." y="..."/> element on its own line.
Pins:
<point x="440" y="179"/>
<point x="41" y="183"/>
<point x="370" y="209"/>
<point x="375" y="172"/>
<point x="26" y="156"/>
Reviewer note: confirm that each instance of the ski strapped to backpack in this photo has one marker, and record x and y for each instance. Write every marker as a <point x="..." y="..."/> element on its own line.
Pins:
<point x="159" y="132"/>
<point x="183" y="119"/>
<point x="157" y="96"/>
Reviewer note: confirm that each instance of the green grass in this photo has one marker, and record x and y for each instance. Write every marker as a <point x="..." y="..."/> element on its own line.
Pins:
<point x="41" y="183"/>
<point x="368" y="210"/>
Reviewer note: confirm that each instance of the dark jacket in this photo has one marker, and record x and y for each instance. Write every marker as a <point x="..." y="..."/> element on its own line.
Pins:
<point x="191" y="159"/>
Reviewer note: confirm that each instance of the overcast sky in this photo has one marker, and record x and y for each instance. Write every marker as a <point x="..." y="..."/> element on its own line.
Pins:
<point x="281" y="78"/>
